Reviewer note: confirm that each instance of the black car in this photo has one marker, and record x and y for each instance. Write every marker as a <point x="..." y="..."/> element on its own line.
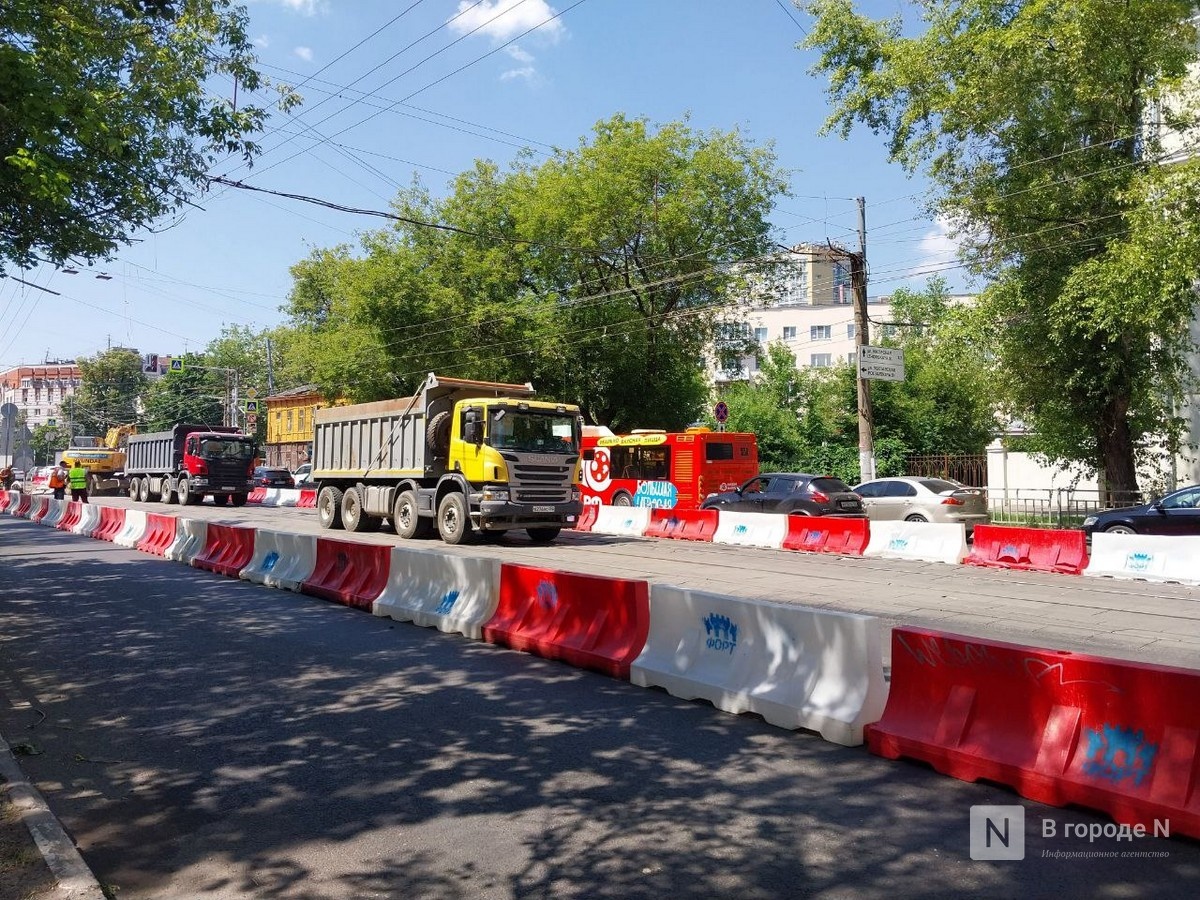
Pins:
<point x="803" y="495"/>
<point x="1176" y="513"/>
<point x="271" y="476"/>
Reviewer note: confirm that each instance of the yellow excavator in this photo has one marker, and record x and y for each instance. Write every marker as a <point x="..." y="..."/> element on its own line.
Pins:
<point x="102" y="457"/>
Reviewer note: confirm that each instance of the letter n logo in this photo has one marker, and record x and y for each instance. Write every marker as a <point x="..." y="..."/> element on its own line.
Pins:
<point x="997" y="832"/>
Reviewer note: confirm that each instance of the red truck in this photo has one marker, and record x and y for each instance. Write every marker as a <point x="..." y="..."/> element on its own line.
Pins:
<point x="190" y="462"/>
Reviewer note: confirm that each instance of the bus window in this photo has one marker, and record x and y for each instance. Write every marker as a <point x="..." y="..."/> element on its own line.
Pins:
<point x="714" y="450"/>
<point x="641" y="463"/>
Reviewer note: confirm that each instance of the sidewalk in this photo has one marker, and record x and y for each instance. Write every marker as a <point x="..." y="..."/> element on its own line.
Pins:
<point x="37" y="859"/>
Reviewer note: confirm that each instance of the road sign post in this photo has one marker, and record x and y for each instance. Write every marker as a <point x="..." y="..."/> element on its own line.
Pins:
<point x="880" y="363"/>
<point x="721" y="413"/>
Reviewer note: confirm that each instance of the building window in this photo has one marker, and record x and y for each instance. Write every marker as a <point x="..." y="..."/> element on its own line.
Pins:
<point x="300" y="418"/>
<point x="760" y="335"/>
<point x="852" y="358"/>
<point x="851" y="331"/>
<point x="789" y="332"/>
<point x="821" y="360"/>
<point x="820" y="333"/>
<point x="289" y="420"/>
<point x="37" y="412"/>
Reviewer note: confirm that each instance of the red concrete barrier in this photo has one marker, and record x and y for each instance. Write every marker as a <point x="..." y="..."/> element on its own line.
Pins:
<point x="257" y="495"/>
<point x="227" y="550"/>
<point x="1112" y="735"/>
<point x="112" y="521"/>
<point x="308" y="499"/>
<point x="22" y="509"/>
<point x="587" y="518"/>
<point x="5" y="498"/>
<point x="41" y="506"/>
<point x="71" y="517"/>
<point x="587" y="620"/>
<point x="683" y="525"/>
<point x="1030" y="549"/>
<point x="348" y="572"/>
<point x="159" y="534"/>
<point x="827" y="534"/>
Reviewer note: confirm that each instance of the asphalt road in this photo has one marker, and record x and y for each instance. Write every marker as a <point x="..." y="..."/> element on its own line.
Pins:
<point x="203" y="737"/>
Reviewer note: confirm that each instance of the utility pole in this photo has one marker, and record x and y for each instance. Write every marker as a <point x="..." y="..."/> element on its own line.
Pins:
<point x="858" y="281"/>
<point x="270" y="370"/>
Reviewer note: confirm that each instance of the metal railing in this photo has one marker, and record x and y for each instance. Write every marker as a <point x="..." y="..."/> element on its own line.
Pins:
<point x="1055" y="507"/>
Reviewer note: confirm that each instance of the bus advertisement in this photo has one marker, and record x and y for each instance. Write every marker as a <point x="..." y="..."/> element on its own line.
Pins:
<point x="665" y="470"/>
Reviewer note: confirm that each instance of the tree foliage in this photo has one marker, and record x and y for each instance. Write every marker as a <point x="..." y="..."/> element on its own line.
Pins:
<point x="107" y="121"/>
<point x="197" y="394"/>
<point x="597" y="275"/>
<point x="1030" y="119"/>
<point x="47" y="440"/>
<point x="110" y="385"/>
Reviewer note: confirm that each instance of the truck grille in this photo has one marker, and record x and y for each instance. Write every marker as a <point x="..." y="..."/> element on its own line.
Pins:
<point x="540" y="478"/>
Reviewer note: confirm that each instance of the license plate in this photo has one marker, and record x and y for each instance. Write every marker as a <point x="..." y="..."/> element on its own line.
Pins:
<point x="847" y="504"/>
<point x="228" y="488"/>
<point x="543" y="509"/>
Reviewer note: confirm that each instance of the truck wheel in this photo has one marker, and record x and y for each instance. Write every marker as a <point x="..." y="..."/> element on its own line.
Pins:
<point x="143" y="490"/>
<point x="186" y="497"/>
<point x="329" y="507"/>
<point x="353" y="516"/>
<point x="405" y="519"/>
<point x="134" y="488"/>
<point x="622" y="499"/>
<point x="543" y="535"/>
<point x="437" y="435"/>
<point x="165" y="496"/>
<point x="453" y="520"/>
<point x="237" y="499"/>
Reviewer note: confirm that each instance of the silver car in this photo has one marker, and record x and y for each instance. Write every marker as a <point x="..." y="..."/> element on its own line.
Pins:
<point x="923" y="500"/>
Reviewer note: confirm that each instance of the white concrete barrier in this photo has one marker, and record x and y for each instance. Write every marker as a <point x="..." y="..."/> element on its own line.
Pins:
<point x="743" y="529"/>
<point x="927" y="541"/>
<point x="437" y="590"/>
<point x="55" y="512"/>
<point x="89" y="520"/>
<point x="190" y="537"/>
<point x="796" y="667"/>
<point x="287" y="496"/>
<point x="1147" y="557"/>
<point x="626" y="521"/>
<point x="134" y="530"/>
<point x="297" y="560"/>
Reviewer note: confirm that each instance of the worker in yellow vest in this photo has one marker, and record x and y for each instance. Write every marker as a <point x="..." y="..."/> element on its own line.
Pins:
<point x="78" y="476"/>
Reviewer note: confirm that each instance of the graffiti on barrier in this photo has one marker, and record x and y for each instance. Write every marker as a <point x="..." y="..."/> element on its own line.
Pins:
<point x="447" y="603"/>
<point x="1115" y="753"/>
<point x="722" y="633"/>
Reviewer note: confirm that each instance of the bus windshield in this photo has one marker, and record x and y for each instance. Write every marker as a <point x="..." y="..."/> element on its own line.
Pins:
<point x="532" y="432"/>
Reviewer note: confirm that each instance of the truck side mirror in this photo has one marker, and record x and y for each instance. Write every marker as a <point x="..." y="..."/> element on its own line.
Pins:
<point x="471" y="432"/>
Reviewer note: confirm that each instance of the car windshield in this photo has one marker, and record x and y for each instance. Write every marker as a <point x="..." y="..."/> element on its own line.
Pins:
<point x="830" y="485"/>
<point x="534" y="432"/>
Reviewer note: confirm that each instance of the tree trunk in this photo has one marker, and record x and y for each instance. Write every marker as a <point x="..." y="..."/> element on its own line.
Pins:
<point x="1116" y="452"/>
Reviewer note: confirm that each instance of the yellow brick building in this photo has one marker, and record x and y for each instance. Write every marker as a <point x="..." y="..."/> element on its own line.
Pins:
<point x="290" y="425"/>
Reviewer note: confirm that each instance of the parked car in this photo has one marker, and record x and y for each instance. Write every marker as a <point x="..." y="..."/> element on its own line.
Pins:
<point x="37" y="480"/>
<point x="923" y="500"/>
<point x="1176" y="513"/>
<point x="273" y="476"/>
<point x="780" y="492"/>
<point x="303" y="475"/>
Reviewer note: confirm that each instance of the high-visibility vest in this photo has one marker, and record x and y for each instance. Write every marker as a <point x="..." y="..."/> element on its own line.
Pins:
<point x="78" y="478"/>
<point x="58" y="478"/>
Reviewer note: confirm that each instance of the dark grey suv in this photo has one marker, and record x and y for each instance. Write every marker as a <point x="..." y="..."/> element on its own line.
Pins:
<point x="802" y="495"/>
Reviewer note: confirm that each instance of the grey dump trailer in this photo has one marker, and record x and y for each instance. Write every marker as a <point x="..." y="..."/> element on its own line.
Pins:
<point x="190" y="462"/>
<point x="464" y="458"/>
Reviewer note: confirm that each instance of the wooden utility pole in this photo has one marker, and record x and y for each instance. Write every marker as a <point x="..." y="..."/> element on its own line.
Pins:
<point x="858" y="282"/>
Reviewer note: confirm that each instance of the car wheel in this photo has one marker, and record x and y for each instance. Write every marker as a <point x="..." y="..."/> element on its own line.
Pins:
<point x="329" y="507"/>
<point x="406" y="521"/>
<point x="915" y="517"/>
<point x="1119" y="529"/>
<point x="543" y="535"/>
<point x="143" y="490"/>
<point x="237" y="499"/>
<point x="453" y="519"/>
<point x="135" y="488"/>
<point x="186" y="497"/>
<point x="165" y="496"/>
<point x="622" y="499"/>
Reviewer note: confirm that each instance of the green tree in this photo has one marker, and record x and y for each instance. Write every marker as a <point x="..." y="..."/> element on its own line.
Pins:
<point x="196" y="395"/>
<point x="108" y="393"/>
<point x="107" y="120"/>
<point x="46" y="441"/>
<point x="598" y="275"/>
<point x="1029" y="118"/>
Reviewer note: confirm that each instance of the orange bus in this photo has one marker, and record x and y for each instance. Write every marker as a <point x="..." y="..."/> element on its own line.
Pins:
<point x="665" y="470"/>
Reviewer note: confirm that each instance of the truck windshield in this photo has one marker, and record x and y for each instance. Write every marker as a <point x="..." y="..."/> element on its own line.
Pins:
<point x="213" y="448"/>
<point x="533" y="432"/>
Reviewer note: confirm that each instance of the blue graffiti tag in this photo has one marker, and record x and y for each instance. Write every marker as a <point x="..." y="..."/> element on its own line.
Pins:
<point x="447" y="603"/>
<point x="1117" y="753"/>
<point x="739" y="530"/>
<point x="269" y="562"/>
<point x="722" y="633"/>
<point x="1138" y="562"/>
<point x="547" y="594"/>
<point x="898" y="543"/>
<point x="1009" y="550"/>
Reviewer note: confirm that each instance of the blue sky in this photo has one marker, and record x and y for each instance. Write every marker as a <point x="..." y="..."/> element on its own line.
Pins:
<point x="428" y="94"/>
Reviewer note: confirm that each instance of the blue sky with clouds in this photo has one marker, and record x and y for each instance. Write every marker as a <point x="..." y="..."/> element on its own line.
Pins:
<point x="422" y="88"/>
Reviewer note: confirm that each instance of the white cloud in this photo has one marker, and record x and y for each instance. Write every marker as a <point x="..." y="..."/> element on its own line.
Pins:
<point x="526" y="72"/>
<point x="262" y="41"/>
<point x="305" y="53"/>
<point x="304" y="7"/>
<point x="937" y="247"/>
<point x="518" y="54"/>
<point x="502" y="20"/>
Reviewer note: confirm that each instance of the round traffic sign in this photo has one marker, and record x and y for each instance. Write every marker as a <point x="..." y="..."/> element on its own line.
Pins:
<point x="721" y="411"/>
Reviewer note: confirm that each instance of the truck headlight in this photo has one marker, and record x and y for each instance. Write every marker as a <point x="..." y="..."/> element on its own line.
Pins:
<point x="495" y="494"/>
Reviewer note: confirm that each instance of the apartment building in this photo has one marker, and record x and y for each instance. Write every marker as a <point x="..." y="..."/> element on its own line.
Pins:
<point x="31" y="396"/>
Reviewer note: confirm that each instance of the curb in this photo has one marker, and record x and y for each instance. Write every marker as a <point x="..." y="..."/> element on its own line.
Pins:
<point x="75" y="879"/>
